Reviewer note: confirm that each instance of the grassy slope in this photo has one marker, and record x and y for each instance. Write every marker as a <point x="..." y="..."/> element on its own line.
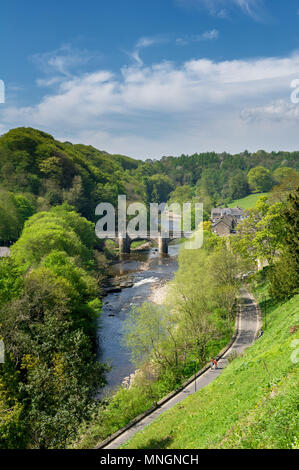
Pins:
<point x="247" y="202"/>
<point x="243" y="408"/>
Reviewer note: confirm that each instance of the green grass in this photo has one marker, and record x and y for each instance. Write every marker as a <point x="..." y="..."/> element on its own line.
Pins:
<point x="138" y="244"/>
<point x="247" y="202"/>
<point x="244" y="407"/>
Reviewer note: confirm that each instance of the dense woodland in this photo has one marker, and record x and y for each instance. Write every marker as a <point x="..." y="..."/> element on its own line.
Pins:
<point x="38" y="172"/>
<point x="51" y="285"/>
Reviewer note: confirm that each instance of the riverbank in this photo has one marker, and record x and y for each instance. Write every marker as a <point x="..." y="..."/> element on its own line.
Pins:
<point x="245" y="334"/>
<point x="159" y="293"/>
<point x="257" y="392"/>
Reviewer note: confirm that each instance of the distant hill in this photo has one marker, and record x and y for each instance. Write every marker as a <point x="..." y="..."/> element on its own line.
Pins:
<point x="52" y="172"/>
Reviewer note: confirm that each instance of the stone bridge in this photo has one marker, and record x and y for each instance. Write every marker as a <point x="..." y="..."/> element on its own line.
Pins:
<point x="162" y="240"/>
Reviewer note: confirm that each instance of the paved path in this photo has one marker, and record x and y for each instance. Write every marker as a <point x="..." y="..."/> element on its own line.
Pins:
<point x="248" y="327"/>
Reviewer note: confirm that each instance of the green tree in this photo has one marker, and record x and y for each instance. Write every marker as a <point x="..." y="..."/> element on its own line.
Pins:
<point x="181" y="194"/>
<point x="284" y="276"/>
<point x="146" y="328"/>
<point x="13" y="417"/>
<point x="25" y="206"/>
<point x="260" y="179"/>
<point x="238" y="186"/>
<point x="158" y="188"/>
<point x="289" y="182"/>
<point x="11" y="280"/>
<point x="10" y="220"/>
<point x="260" y="236"/>
<point x="283" y="172"/>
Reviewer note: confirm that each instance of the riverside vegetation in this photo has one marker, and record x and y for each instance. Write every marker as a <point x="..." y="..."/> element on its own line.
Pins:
<point x="254" y="403"/>
<point x="51" y="285"/>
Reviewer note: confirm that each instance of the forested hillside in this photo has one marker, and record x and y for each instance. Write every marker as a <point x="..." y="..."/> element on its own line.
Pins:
<point x="221" y="178"/>
<point x="38" y="172"/>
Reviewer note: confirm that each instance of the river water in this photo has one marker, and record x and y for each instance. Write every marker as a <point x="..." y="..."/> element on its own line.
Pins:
<point x="147" y="271"/>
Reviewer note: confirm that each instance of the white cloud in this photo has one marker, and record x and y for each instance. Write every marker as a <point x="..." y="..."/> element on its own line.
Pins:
<point x="146" y="42"/>
<point x="221" y="8"/>
<point x="62" y="62"/>
<point x="168" y="109"/>
<point x="208" y="35"/>
<point x="205" y="36"/>
<point x="279" y="110"/>
<point x="143" y="43"/>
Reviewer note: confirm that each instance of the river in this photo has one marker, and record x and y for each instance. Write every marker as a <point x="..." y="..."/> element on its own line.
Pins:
<point x="147" y="271"/>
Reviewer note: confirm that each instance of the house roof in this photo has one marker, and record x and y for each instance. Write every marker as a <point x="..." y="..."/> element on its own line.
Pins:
<point x="234" y="211"/>
<point x="225" y="219"/>
<point x="216" y="210"/>
<point x="237" y="211"/>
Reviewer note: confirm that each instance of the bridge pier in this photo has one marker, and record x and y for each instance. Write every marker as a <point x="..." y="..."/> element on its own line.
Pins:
<point x="163" y="245"/>
<point x="124" y="244"/>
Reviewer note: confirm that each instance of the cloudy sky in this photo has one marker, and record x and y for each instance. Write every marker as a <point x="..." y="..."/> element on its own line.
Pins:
<point x="149" y="78"/>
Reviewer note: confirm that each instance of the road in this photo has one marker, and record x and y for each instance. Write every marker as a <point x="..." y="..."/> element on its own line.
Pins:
<point x="249" y="323"/>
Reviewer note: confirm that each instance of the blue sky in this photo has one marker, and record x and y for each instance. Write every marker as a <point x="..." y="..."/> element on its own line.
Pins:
<point x="152" y="78"/>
